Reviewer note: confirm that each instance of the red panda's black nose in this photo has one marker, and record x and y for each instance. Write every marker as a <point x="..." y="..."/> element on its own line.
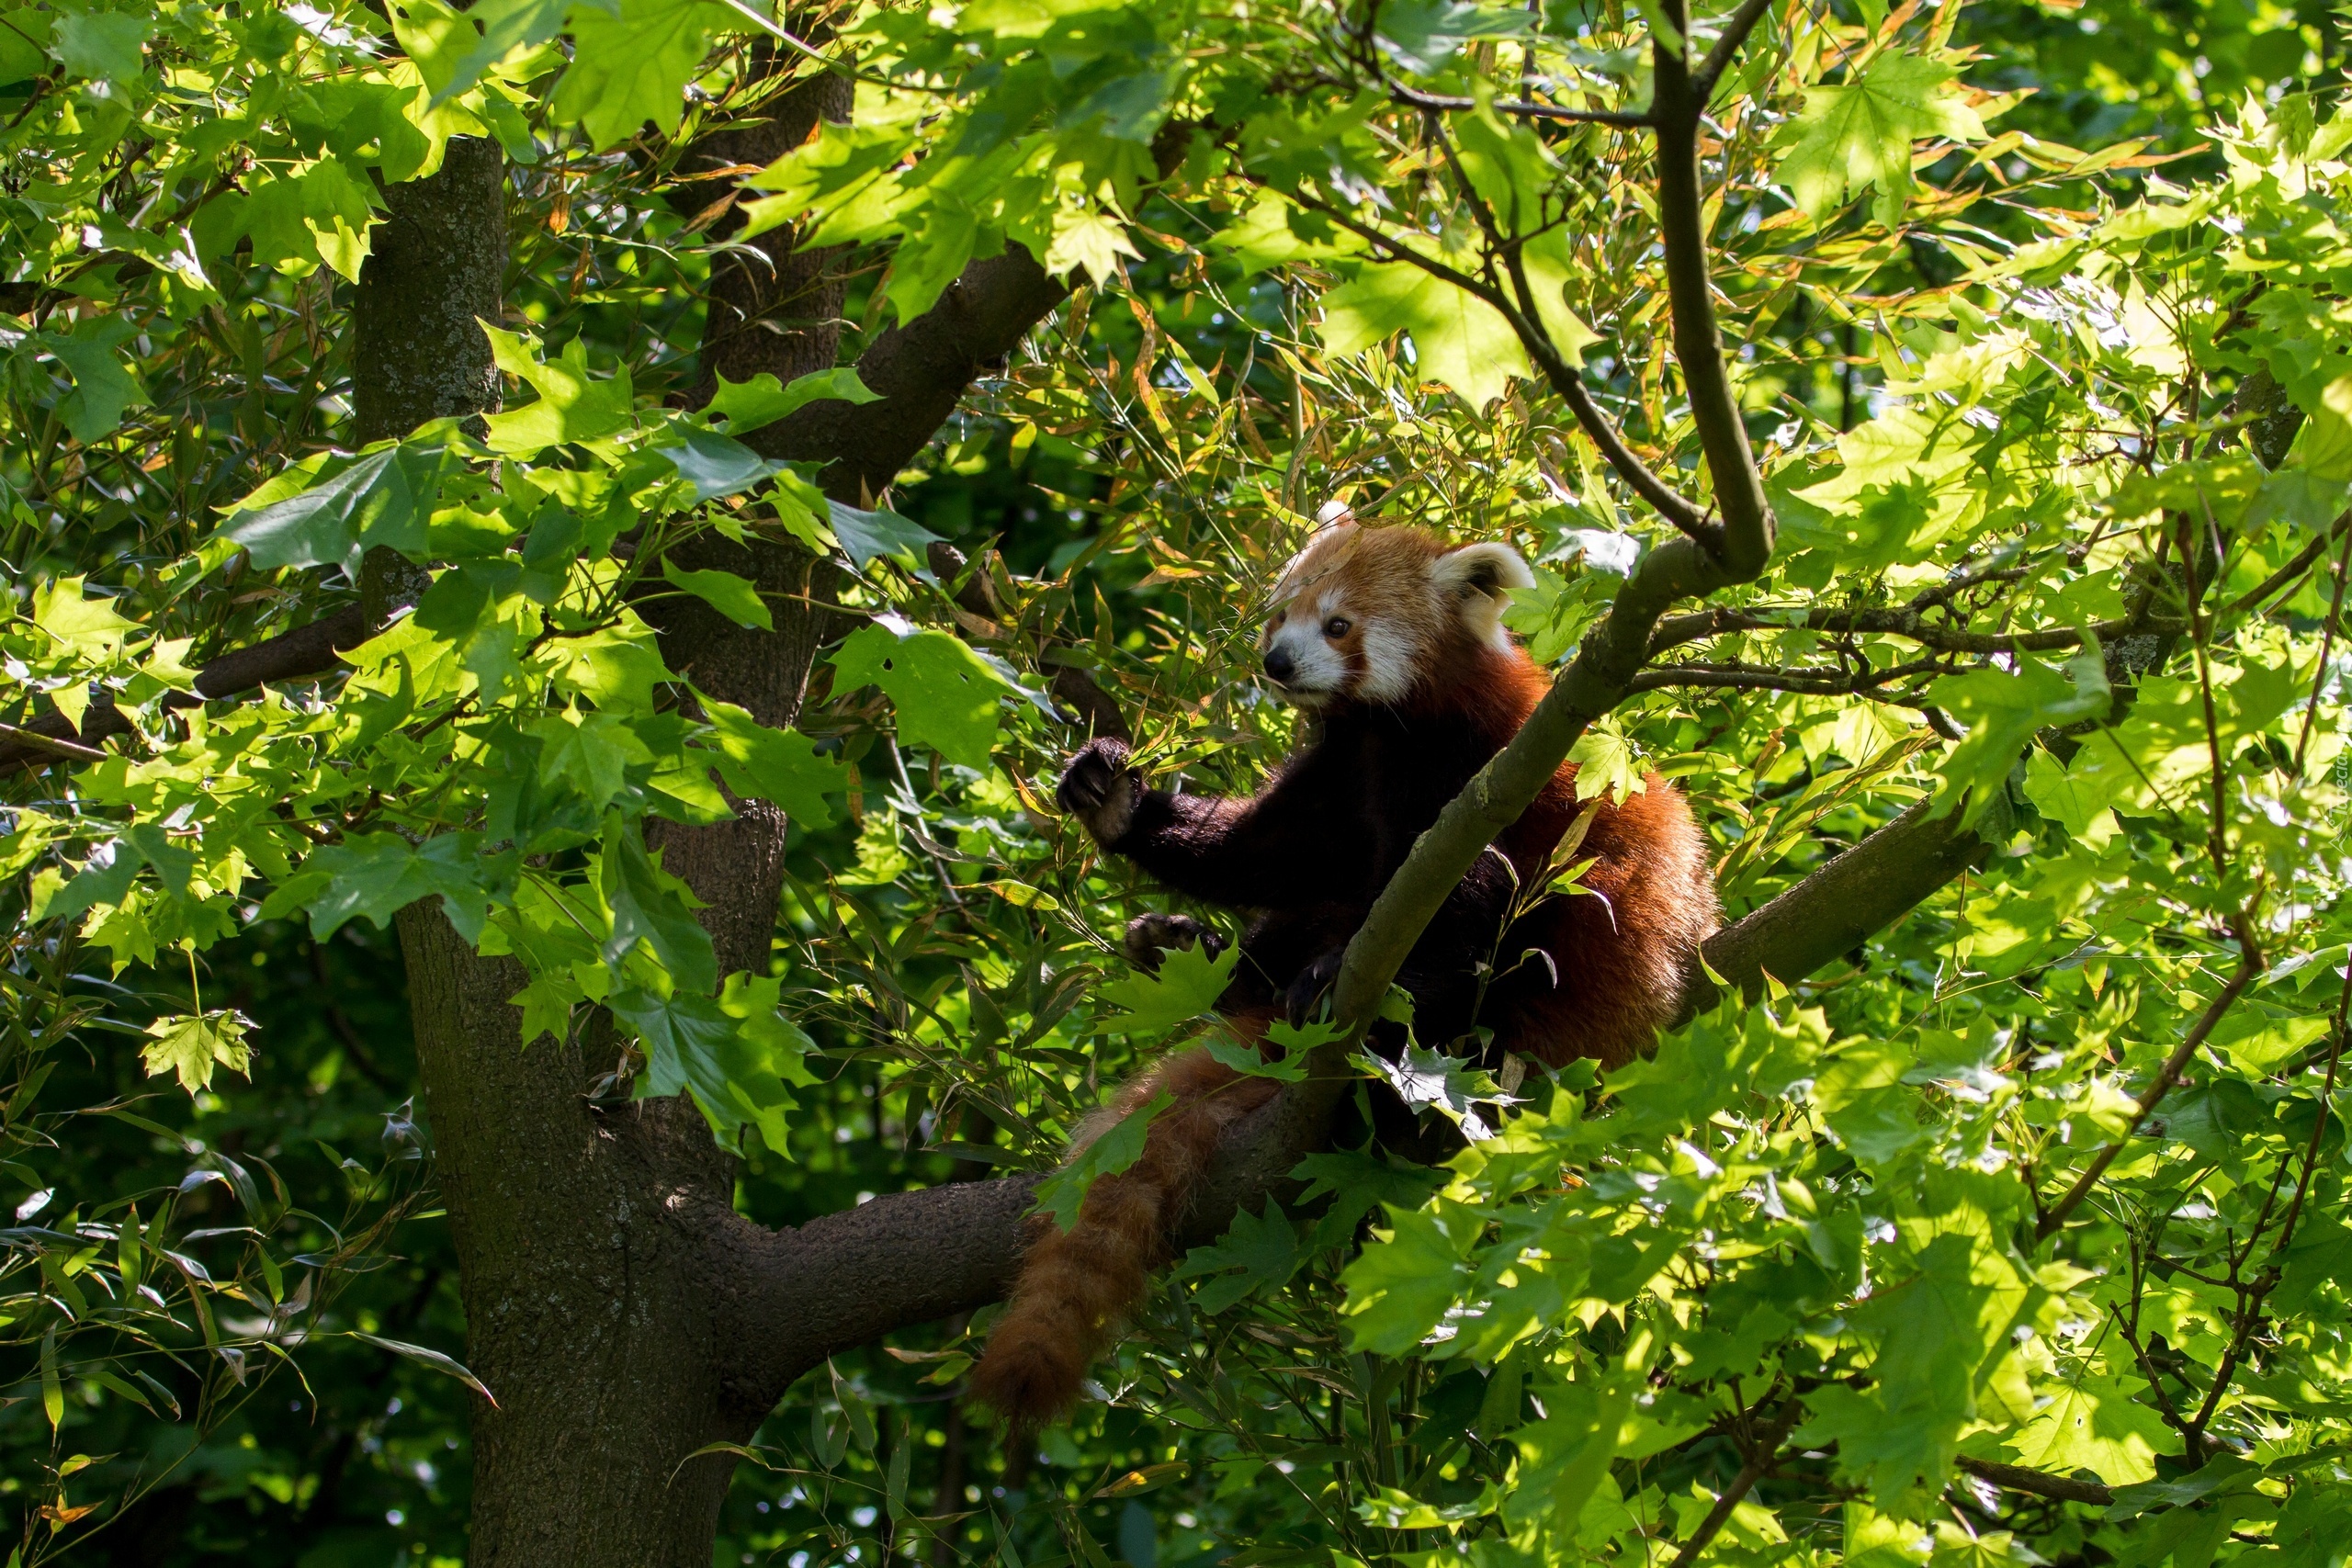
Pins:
<point x="1279" y="664"/>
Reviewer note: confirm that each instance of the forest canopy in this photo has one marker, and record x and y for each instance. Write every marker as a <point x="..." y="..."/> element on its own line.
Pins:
<point x="555" y="553"/>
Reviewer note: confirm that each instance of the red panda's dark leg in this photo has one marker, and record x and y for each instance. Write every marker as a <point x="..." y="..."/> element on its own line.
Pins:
<point x="1075" y="1286"/>
<point x="1292" y="843"/>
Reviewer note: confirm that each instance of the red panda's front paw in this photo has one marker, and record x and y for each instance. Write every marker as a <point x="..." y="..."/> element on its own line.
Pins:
<point x="1148" y="935"/>
<point x="1100" y="790"/>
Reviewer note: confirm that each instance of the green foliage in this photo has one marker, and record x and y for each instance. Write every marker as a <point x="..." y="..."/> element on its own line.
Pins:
<point x="2041" y="562"/>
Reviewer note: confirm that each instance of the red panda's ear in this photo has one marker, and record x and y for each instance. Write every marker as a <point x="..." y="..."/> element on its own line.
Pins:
<point x="1479" y="578"/>
<point x="1487" y="569"/>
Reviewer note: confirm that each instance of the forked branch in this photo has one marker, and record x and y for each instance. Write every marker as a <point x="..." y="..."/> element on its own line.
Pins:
<point x="1603" y="672"/>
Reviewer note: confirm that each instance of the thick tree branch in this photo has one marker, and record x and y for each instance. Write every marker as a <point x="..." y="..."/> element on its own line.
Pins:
<point x="1831" y="912"/>
<point x="799" y="1295"/>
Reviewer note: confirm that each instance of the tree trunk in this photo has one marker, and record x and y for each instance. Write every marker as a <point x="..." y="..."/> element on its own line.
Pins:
<point x="604" y="1271"/>
<point x="577" y="1225"/>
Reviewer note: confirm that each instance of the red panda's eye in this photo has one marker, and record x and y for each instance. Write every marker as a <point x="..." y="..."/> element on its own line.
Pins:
<point x="1336" y="626"/>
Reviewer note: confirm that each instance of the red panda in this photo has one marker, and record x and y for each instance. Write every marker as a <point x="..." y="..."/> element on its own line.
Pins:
<point x="1393" y="643"/>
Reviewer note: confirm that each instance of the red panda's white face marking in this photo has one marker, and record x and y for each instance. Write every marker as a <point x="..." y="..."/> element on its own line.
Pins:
<point x="1364" y="614"/>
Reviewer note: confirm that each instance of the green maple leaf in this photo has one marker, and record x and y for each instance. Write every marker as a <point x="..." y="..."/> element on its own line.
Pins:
<point x="376" y="874"/>
<point x="734" y="1055"/>
<point x="946" y="695"/>
<point x="868" y="535"/>
<point x="781" y="766"/>
<point x="1259" y="1250"/>
<point x="2060" y="797"/>
<point x="2094" y="1425"/>
<point x="384" y="498"/>
<point x="1861" y="134"/>
<point x="103" y="44"/>
<point x="1088" y="239"/>
<point x="731" y="596"/>
<point x="763" y="399"/>
<point x="1188" y="985"/>
<point x="1457" y="338"/>
<point x="614" y="666"/>
<point x="716" y="466"/>
<point x="634" y="67"/>
<point x="572" y="405"/>
<point x="590" y="751"/>
<point x="88" y="626"/>
<point x="193" y="1046"/>
<point x="2002" y="711"/>
<point x="1402" y="1283"/>
<point x="648" y="905"/>
<point x="102" y="387"/>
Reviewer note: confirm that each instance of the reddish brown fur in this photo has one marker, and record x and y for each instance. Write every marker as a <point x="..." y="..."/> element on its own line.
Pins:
<point x="1077" y="1285"/>
<point x="1309" y="851"/>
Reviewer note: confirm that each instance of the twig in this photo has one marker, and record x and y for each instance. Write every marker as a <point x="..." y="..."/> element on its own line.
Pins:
<point x="2295" y="567"/>
<point x="1760" y="1458"/>
<point x="306" y="651"/>
<point x="2248" y="967"/>
<point x="1668" y="502"/>
<point x="2326" y="648"/>
<point x="2251" y="1297"/>
<point x="1526" y="109"/>
<point x="52" y="745"/>
<point x="2148" y="1368"/>
<point x="1743" y="21"/>
<point x="1908" y="623"/>
<point x="2040" y="1483"/>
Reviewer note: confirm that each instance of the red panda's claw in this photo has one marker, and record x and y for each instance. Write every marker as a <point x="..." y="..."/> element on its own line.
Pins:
<point x="1100" y="789"/>
<point x="1307" y="991"/>
<point x="1148" y="936"/>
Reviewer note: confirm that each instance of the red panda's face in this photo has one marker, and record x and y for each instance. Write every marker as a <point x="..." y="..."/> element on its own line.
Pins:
<point x="1365" y="614"/>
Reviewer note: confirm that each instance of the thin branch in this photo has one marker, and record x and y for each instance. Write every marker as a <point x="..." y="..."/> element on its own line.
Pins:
<point x="2148" y="1368"/>
<point x="1678" y="102"/>
<point x="2302" y="563"/>
<point x="1527" y="322"/>
<point x="1628" y="119"/>
<point x="2040" y="1483"/>
<point x="1743" y="21"/>
<point x="2170" y="1074"/>
<point x="1819" y="683"/>
<point x="1908" y="623"/>
<point x="295" y="655"/>
<point x="1668" y="502"/>
<point x="1564" y="379"/>
<point x="1760" y="1458"/>
<point x="2326" y="648"/>
<point x="2251" y="1297"/>
<point x="52" y="745"/>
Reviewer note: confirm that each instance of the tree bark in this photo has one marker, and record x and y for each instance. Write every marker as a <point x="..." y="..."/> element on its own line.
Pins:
<point x="620" y="1311"/>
